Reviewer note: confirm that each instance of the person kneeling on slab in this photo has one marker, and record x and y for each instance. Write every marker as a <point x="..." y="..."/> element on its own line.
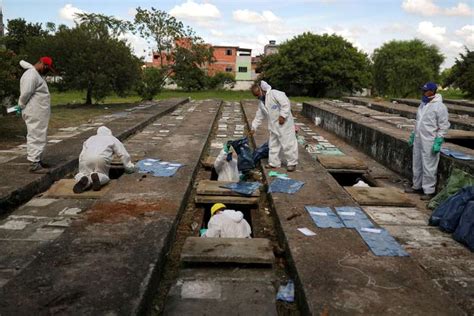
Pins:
<point x="95" y="159"/>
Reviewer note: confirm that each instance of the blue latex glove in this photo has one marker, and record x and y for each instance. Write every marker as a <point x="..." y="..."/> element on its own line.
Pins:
<point x="411" y="140"/>
<point x="437" y="144"/>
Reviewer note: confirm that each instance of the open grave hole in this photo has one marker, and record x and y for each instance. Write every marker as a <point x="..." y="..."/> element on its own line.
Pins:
<point x="463" y="142"/>
<point x="348" y="179"/>
<point x="245" y="209"/>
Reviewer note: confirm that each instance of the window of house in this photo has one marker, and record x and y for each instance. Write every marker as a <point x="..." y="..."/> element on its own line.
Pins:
<point x="228" y="69"/>
<point x="228" y="52"/>
<point x="242" y="69"/>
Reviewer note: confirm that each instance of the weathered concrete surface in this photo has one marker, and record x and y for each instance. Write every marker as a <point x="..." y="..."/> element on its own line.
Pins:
<point x="382" y="141"/>
<point x="105" y="262"/>
<point x="227" y="250"/>
<point x="447" y="263"/>
<point x="460" y="102"/>
<point x="214" y="291"/>
<point x="17" y="185"/>
<point x="334" y="270"/>
<point x="457" y="122"/>
<point x="452" y="107"/>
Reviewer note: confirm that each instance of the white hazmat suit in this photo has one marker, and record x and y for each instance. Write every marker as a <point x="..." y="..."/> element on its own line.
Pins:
<point x="226" y="170"/>
<point x="97" y="153"/>
<point x="431" y="122"/>
<point x="228" y="224"/>
<point x="282" y="137"/>
<point x="35" y="103"/>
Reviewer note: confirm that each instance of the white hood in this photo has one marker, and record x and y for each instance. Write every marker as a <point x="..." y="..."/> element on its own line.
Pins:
<point x="104" y="131"/>
<point x="236" y="216"/>
<point x="437" y="98"/>
<point x="25" y="64"/>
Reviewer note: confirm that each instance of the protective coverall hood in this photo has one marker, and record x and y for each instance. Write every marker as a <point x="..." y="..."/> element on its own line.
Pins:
<point x="26" y="65"/>
<point x="104" y="131"/>
<point x="265" y="86"/>
<point x="236" y="216"/>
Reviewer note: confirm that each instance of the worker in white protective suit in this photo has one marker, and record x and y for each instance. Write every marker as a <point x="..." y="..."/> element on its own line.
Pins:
<point x="35" y="105"/>
<point x="226" y="165"/>
<point x="430" y="129"/>
<point x="276" y="107"/>
<point x="227" y="223"/>
<point x="95" y="158"/>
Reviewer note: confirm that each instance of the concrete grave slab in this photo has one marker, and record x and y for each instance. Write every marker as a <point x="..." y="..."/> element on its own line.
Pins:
<point x="227" y="250"/>
<point x="226" y="199"/>
<point x="210" y="187"/>
<point x="341" y="162"/>
<point x="63" y="189"/>
<point x="379" y="196"/>
<point x="14" y="224"/>
<point x="422" y="236"/>
<point x="397" y="215"/>
<point x="40" y="202"/>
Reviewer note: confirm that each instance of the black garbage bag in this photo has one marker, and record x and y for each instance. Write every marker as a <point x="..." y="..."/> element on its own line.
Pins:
<point x="260" y="153"/>
<point x="448" y="213"/>
<point x="465" y="231"/>
<point x="244" y="154"/>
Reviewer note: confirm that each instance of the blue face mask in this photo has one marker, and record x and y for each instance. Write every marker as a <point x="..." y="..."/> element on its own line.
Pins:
<point x="426" y="99"/>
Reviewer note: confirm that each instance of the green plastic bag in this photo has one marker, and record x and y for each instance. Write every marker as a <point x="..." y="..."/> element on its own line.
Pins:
<point x="457" y="180"/>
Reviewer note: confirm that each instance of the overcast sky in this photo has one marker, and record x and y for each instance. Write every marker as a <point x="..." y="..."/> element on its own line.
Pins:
<point x="252" y="23"/>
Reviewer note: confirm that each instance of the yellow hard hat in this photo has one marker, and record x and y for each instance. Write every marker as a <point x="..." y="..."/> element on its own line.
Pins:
<point x="217" y="207"/>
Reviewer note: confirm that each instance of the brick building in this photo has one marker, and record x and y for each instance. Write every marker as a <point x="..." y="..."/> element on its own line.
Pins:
<point x="232" y="59"/>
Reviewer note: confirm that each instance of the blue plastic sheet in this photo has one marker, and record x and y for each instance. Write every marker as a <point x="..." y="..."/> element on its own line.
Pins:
<point x="324" y="217"/>
<point x="381" y="243"/>
<point x="245" y="188"/>
<point x="456" y="154"/>
<point x="289" y="186"/>
<point x="353" y="217"/>
<point x="158" y="168"/>
<point x="286" y="292"/>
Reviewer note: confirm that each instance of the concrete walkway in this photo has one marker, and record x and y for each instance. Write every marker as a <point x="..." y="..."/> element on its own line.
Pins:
<point x="107" y="259"/>
<point x="17" y="185"/>
<point x="334" y="270"/>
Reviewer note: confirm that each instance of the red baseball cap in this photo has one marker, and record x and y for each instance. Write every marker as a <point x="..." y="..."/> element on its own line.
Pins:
<point x="48" y="61"/>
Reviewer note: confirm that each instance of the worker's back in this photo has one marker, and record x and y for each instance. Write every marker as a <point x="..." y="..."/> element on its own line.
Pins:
<point x="228" y="224"/>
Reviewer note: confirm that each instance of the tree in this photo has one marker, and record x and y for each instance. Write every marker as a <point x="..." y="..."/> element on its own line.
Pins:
<point x="90" y="57"/>
<point x="161" y="27"/>
<point x="152" y="80"/>
<point x="188" y="64"/>
<point x="462" y="73"/>
<point x="20" y="32"/>
<point x="317" y="65"/>
<point x="10" y="73"/>
<point x="401" y="67"/>
<point x="220" y="80"/>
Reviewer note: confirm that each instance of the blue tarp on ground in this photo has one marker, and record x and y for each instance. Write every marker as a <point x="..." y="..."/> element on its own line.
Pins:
<point x="289" y="186"/>
<point x="353" y="217"/>
<point x="324" y="217"/>
<point x="245" y="188"/>
<point x="158" y="168"/>
<point x="456" y="154"/>
<point x="381" y="243"/>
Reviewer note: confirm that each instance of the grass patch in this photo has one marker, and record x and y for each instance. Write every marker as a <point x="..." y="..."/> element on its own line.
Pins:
<point x="78" y="97"/>
<point x="454" y="94"/>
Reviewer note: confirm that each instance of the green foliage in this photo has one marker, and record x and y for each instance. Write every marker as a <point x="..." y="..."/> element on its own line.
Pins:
<point x="402" y="67"/>
<point x="10" y="73"/>
<point x="89" y="57"/>
<point x="20" y="32"/>
<point x="317" y="65"/>
<point x="151" y="82"/>
<point x="462" y="73"/>
<point x="160" y="27"/>
<point x="220" y="80"/>
<point x="188" y="63"/>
